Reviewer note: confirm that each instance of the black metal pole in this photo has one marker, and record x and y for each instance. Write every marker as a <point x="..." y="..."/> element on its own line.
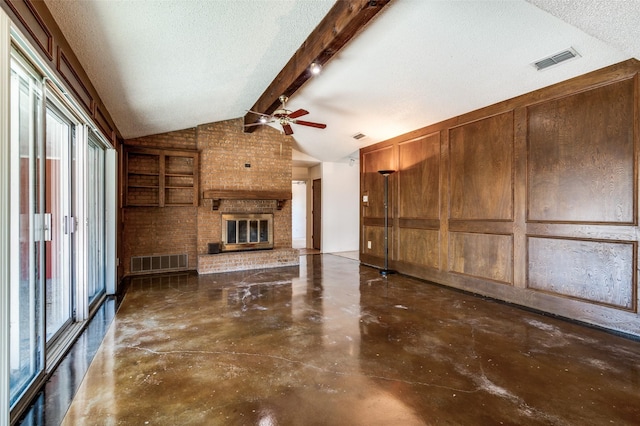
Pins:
<point x="386" y="270"/>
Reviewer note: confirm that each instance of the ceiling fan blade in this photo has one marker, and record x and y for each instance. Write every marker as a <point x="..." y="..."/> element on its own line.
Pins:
<point x="310" y="124"/>
<point x="287" y="129"/>
<point x="298" y="113"/>
<point x="254" y="124"/>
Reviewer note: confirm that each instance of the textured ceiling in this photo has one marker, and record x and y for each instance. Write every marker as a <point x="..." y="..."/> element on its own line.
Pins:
<point x="168" y="65"/>
<point x="616" y="22"/>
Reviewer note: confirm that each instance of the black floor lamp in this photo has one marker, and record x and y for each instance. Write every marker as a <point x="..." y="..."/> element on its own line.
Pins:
<point x="386" y="270"/>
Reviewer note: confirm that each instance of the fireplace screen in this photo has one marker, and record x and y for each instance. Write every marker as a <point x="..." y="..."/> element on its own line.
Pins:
<point x="247" y="232"/>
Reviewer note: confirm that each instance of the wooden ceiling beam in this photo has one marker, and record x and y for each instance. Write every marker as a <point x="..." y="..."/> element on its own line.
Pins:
<point x="345" y="19"/>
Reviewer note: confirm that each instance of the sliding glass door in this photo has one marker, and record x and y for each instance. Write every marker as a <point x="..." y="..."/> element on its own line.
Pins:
<point x="60" y="214"/>
<point x="95" y="190"/>
<point x="42" y="272"/>
<point x="26" y="220"/>
<point x="59" y="275"/>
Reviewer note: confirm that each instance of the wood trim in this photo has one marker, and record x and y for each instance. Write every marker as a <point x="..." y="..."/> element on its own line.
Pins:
<point x="218" y="195"/>
<point x="74" y="82"/>
<point x="419" y="223"/>
<point x="44" y="40"/>
<point x="339" y="26"/>
<point x="102" y="122"/>
<point x="481" y="227"/>
<point x="373" y="221"/>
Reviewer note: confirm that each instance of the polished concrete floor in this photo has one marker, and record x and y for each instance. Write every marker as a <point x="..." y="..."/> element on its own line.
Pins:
<point x="52" y="402"/>
<point x="333" y="343"/>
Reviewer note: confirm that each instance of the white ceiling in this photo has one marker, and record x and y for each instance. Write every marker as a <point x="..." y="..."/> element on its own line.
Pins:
<point x="168" y="65"/>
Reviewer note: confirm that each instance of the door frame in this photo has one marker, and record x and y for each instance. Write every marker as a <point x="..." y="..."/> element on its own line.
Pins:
<point x="316" y="214"/>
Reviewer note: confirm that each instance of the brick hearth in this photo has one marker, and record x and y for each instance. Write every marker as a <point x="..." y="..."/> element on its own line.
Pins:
<point x="245" y="260"/>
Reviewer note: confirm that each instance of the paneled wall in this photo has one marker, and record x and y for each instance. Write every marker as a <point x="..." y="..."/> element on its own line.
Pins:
<point x="532" y="201"/>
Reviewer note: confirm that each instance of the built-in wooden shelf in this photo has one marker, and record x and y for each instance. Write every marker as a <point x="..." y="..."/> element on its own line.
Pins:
<point x="160" y="177"/>
<point x="229" y="194"/>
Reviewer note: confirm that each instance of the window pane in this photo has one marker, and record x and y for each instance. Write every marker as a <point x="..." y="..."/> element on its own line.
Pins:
<point x="242" y="231"/>
<point x="95" y="221"/>
<point x="25" y="317"/>
<point x="253" y="231"/>
<point x="231" y="232"/>
<point x="264" y="230"/>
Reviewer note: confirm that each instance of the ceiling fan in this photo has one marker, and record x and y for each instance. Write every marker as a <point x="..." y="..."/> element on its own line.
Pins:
<point x="286" y="118"/>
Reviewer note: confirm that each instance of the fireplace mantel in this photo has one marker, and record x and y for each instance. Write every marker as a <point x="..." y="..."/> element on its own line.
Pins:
<point x="218" y="195"/>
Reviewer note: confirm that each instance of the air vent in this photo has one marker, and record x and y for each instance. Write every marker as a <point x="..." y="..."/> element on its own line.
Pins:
<point x="165" y="262"/>
<point x="359" y="136"/>
<point x="556" y="59"/>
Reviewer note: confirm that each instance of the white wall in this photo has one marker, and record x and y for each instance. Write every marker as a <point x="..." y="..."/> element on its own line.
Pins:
<point x="299" y="213"/>
<point x="300" y="173"/>
<point x="340" y="207"/>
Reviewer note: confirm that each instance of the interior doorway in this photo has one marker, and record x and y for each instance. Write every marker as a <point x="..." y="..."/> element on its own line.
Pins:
<point x="299" y="214"/>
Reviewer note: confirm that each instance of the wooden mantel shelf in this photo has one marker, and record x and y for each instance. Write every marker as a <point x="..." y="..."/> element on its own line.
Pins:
<point x="230" y="194"/>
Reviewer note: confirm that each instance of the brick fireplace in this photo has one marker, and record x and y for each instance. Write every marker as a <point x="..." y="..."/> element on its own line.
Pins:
<point x="256" y="164"/>
<point x="244" y="174"/>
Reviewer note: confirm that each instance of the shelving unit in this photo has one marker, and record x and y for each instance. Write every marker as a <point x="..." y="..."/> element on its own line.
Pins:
<point x="160" y="177"/>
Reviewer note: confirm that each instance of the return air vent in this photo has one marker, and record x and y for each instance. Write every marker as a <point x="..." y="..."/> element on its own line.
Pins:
<point x="165" y="262"/>
<point x="556" y="59"/>
<point x="359" y="136"/>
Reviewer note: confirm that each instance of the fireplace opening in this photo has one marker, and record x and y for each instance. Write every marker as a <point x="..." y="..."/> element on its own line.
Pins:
<point x="247" y="232"/>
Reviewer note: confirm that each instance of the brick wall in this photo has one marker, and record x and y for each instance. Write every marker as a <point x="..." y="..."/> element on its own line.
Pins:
<point x="181" y="139"/>
<point x="224" y="151"/>
<point x="151" y="231"/>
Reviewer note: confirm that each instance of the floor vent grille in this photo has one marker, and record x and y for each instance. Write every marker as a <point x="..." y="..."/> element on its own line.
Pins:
<point x="161" y="263"/>
<point x="556" y="59"/>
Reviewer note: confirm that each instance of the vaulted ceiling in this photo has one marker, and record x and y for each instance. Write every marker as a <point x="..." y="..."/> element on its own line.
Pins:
<point x="164" y="65"/>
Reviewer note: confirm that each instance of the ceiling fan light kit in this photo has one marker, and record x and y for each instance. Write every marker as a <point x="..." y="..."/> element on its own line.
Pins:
<point x="285" y="117"/>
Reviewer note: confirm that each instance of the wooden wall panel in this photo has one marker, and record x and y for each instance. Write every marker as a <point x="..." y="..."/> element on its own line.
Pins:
<point x="375" y="234"/>
<point x="539" y="194"/>
<point x="103" y="124"/>
<point x="419" y="247"/>
<point x="481" y="169"/>
<point x="70" y="75"/>
<point x="373" y="182"/>
<point x="419" y="177"/>
<point x="597" y="271"/>
<point x="34" y="24"/>
<point x="482" y="255"/>
<point x="581" y="164"/>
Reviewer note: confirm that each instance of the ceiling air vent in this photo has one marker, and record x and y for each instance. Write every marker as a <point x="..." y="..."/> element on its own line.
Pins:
<point x="556" y="59"/>
<point x="358" y="136"/>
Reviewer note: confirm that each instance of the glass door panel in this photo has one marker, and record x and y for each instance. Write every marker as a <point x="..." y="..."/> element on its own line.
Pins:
<point x="95" y="220"/>
<point x="26" y="343"/>
<point x="58" y="276"/>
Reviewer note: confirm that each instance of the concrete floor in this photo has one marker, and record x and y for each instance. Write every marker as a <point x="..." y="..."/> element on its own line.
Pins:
<point x="333" y="343"/>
